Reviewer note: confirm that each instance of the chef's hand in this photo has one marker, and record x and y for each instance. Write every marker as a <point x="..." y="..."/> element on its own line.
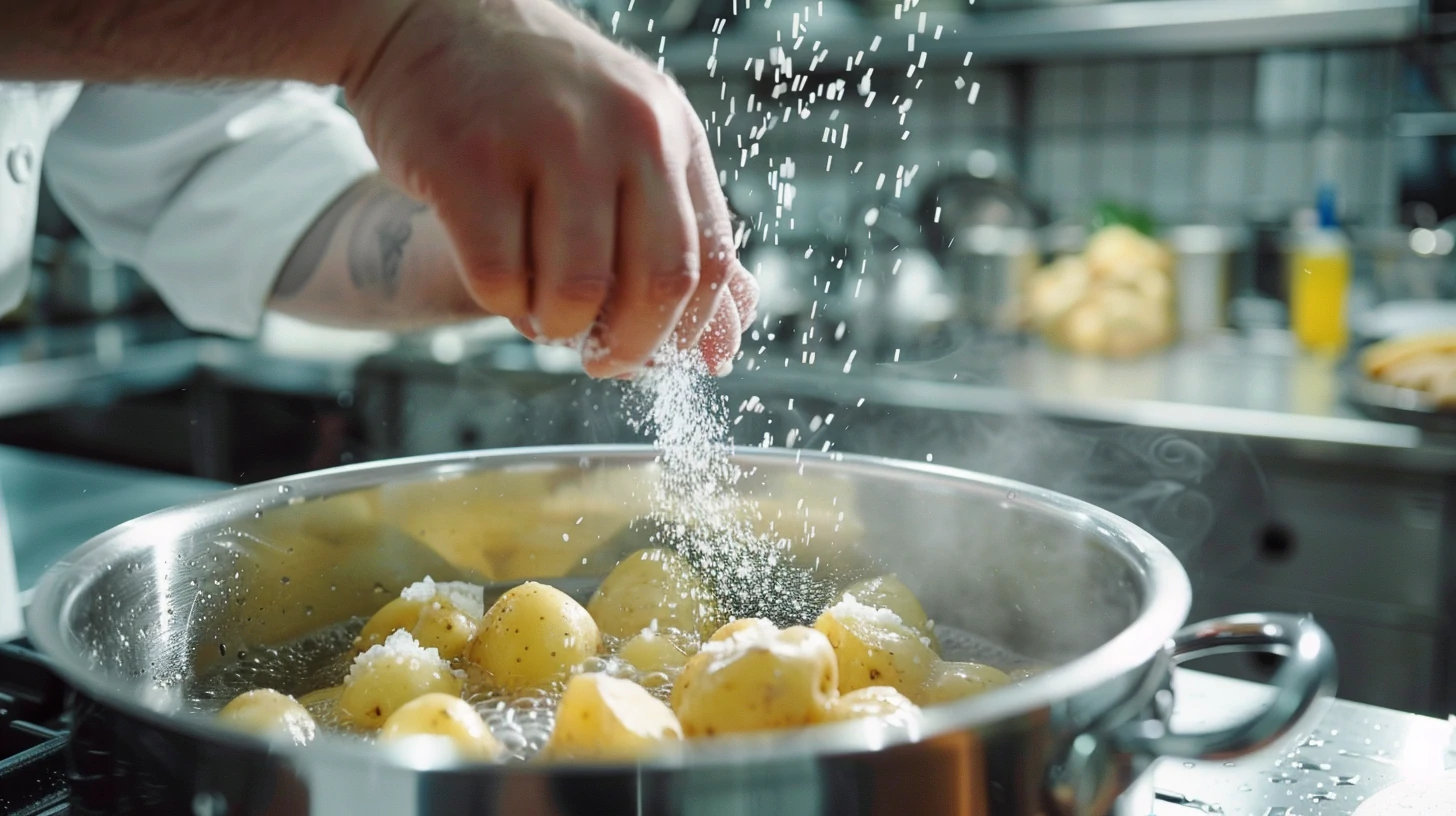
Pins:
<point x="573" y="179"/>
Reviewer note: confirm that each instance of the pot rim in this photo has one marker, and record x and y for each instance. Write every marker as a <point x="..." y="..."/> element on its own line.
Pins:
<point x="1165" y="609"/>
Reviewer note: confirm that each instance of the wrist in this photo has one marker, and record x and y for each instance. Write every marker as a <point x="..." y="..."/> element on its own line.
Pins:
<point x="376" y="33"/>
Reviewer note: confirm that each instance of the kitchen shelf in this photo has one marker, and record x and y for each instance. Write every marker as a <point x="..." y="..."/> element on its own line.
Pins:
<point x="1104" y="29"/>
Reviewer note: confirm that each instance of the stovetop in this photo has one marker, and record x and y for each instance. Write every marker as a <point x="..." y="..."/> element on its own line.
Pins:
<point x="32" y="735"/>
<point x="1352" y="752"/>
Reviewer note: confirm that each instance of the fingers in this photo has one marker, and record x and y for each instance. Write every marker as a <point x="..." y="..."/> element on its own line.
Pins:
<point x="719" y="342"/>
<point x="487" y="225"/>
<point x="744" y="290"/>
<point x="717" y="248"/>
<point x="573" y="228"/>
<point x="656" y="271"/>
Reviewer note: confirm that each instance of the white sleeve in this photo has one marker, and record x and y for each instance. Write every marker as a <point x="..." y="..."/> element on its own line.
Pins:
<point x="205" y="191"/>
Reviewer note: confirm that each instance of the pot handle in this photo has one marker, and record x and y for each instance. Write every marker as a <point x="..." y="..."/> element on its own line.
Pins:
<point x="1308" y="675"/>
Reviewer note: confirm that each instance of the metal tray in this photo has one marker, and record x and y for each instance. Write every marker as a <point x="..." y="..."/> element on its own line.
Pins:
<point x="1391" y="403"/>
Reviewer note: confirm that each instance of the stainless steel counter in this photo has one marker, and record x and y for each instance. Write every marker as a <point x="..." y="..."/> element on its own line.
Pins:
<point x="1256" y="388"/>
<point x="55" y="503"/>
<point x="1351" y="753"/>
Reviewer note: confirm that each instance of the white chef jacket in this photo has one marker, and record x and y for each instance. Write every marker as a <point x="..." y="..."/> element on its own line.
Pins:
<point x="204" y="190"/>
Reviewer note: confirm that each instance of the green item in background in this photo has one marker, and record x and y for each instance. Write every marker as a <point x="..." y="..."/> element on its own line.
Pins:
<point x="1110" y="213"/>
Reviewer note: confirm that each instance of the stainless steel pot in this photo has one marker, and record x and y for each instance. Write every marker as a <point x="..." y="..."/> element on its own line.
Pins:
<point x="135" y="616"/>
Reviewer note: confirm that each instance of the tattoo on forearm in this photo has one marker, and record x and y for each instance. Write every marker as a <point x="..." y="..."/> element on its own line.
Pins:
<point x="374" y="247"/>
<point x="377" y="241"/>
<point x="309" y="253"/>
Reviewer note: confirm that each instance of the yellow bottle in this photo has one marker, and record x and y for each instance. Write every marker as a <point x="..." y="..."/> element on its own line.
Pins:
<point x="1319" y="286"/>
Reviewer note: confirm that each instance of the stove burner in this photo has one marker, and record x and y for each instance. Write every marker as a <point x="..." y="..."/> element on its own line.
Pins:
<point x="32" y="735"/>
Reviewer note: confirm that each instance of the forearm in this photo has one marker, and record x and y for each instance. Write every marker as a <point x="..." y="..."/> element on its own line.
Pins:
<point x="375" y="258"/>
<point x="319" y="41"/>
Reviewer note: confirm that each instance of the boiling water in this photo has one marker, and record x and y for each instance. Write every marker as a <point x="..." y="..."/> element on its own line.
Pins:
<point x="521" y="721"/>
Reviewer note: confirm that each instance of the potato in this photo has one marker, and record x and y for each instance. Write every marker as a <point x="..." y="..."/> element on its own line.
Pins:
<point x="604" y="717"/>
<point x="389" y="675"/>
<point x="758" y="680"/>
<point x="445" y="628"/>
<point x="880" y="702"/>
<point x="874" y="648"/>
<point x="393" y="616"/>
<point x="729" y="630"/>
<point x="269" y="713"/>
<point x="441" y="615"/>
<point x="655" y="585"/>
<point x="889" y="592"/>
<point x="952" y="681"/>
<point x="650" y="652"/>
<point x="443" y="715"/>
<point x="532" y="635"/>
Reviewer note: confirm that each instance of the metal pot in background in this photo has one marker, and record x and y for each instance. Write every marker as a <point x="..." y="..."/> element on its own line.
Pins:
<point x="133" y="618"/>
<point x="1203" y="258"/>
<point x="980" y="230"/>
<point x="891" y="293"/>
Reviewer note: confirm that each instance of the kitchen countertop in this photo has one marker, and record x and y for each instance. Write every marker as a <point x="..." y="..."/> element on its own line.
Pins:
<point x="1256" y="388"/>
<point x="55" y="503"/>
<point x="1349" y="754"/>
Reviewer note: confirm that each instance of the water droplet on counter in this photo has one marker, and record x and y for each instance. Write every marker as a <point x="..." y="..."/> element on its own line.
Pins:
<point x="1341" y="781"/>
<point x="285" y="489"/>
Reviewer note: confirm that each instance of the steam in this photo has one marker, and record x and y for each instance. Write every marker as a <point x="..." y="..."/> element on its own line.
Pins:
<point x="1177" y="486"/>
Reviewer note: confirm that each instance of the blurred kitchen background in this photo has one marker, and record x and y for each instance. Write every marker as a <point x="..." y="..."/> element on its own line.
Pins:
<point x="1057" y="244"/>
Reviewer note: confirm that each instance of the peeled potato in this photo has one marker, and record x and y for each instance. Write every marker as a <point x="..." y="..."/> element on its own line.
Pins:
<point x="393" y="616"/>
<point x="269" y="713"/>
<point x="654" y="585"/>
<point x="443" y="715"/>
<point x="770" y="679"/>
<point x="604" y="717"/>
<point x="650" y="652"/>
<point x="953" y="681"/>
<point x="881" y="702"/>
<point x="389" y="675"/>
<point x="729" y="630"/>
<point x="532" y="635"/>
<point x="874" y="648"/>
<point x="889" y="592"/>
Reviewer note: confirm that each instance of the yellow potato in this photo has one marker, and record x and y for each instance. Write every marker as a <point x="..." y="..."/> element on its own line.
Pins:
<point x="268" y="713"/>
<point x="729" y="630"/>
<point x="650" y="652"/>
<point x="532" y="635"/>
<point x="604" y="717"/>
<point x="445" y="628"/>
<point x="881" y="702"/>
<point x="389" y="675"/>
<point x="443" y="715"/>
<point x="889" y="592"/>
<point x="874" y="648"/>
<point x="393" y="616"/>
<point x="757" y="681"/>
<point x="655" y="585"/>
<point x="953" y="681"/>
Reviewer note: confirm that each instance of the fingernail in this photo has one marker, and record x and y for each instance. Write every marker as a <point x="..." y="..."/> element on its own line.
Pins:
<point x="724" y="369"/>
